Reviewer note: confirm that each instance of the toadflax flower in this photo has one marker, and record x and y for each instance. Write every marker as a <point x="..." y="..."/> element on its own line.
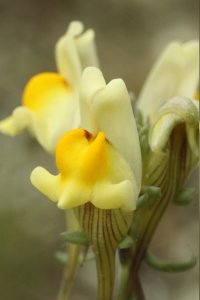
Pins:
<point x="168" y="103"/>
<point x="99" y="170"/>
<point x="175" y="73"/>
<point x="50" y="105"/>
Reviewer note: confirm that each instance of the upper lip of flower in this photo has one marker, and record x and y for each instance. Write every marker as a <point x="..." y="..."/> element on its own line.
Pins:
<point x="175" y="73"/>
<point x="177" y="110"/>
<point x="107" y="108"/>
<point x="74" y="52"/>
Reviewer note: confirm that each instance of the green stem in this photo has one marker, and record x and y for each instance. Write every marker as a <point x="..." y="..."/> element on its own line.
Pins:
<point x="72" y="263"/>
<point x="138" y="290"/>
<point x="69" y="273"/>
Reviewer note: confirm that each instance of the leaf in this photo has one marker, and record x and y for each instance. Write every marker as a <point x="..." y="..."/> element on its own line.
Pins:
<point x="184" y="196"/>
<point x="126" y="243"/>
<point x="170" y="267"/>
<point x="75" y="237"/>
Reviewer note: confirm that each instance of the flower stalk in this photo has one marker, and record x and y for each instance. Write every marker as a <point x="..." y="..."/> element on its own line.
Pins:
<point x="71" y="264"/>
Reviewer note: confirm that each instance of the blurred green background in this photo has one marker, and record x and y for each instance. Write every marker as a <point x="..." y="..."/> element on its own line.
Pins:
<point x="129" y="36"/>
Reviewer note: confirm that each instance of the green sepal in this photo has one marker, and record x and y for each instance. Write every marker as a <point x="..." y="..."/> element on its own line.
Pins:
<point x="141" y="201"/>
<point x="77" y="237"/>
<point x="138" y="117"/>
<point x="152" y="191"/>
<point x="161" y="265"/>
<point x="143" y="137"/>
<point x="144" y="144"/>
<point x="184" y="196"/>
<point x="62" y="257"/>
<point x="126" y="243"/>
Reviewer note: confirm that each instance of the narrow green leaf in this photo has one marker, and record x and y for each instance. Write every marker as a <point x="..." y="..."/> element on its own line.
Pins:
<point x="126" y="243"/>
<point x="62" y="257"/>
<point x="141" y="200"/>
<point x="170" y="267"/>
<point x="152" y="191"/>
<point x="75" y="237"/>
<point x="184" y="196"/>
<point x="89" y="257"/>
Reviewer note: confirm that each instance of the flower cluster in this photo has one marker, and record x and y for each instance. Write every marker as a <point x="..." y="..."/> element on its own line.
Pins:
<point x="117" y="173"/>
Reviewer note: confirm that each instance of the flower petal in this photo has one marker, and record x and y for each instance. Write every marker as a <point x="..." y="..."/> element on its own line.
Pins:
<point x="107" y="108"/>
<point x="45" y="182"/>
<point x="74" y="52"/>
<point x="87" y="49"/>
<point x="91" y="81"/>
<point x="175" y="73"/>
<point x="73" y="195"/>
<point x="91" y="170"/>
<point x="49" y="110"/>
<point x="17" y="122"/>
<point x="112" y="196"/>
<point x="177" y="110"/>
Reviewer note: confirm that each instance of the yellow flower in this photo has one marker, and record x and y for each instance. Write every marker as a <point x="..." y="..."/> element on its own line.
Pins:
<point x="175" y="73"/>
<point x="50" y="105"/>
<point x="102" y="167"/>
<point x="90" y="170"/>
<point x="100" y="171"/>
<point x="178" y="110"/>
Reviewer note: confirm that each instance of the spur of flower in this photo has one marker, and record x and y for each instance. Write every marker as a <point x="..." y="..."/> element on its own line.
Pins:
<point x="99" y="170"/>
<point x="168" y="125"/>
<point x="50" y="105"/>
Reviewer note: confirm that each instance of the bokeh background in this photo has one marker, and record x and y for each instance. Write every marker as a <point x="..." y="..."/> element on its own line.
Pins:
<point x="129" y="35"/>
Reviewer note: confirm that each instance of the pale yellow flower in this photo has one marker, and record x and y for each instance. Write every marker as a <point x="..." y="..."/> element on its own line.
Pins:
<point x="100" y="163"/>
<point x="178" y="110"/>
<point x="175" y="73"/>
<point x="50" y="105"/>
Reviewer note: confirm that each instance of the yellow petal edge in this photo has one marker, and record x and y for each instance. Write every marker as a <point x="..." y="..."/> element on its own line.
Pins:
<point x="91" y="170"/>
